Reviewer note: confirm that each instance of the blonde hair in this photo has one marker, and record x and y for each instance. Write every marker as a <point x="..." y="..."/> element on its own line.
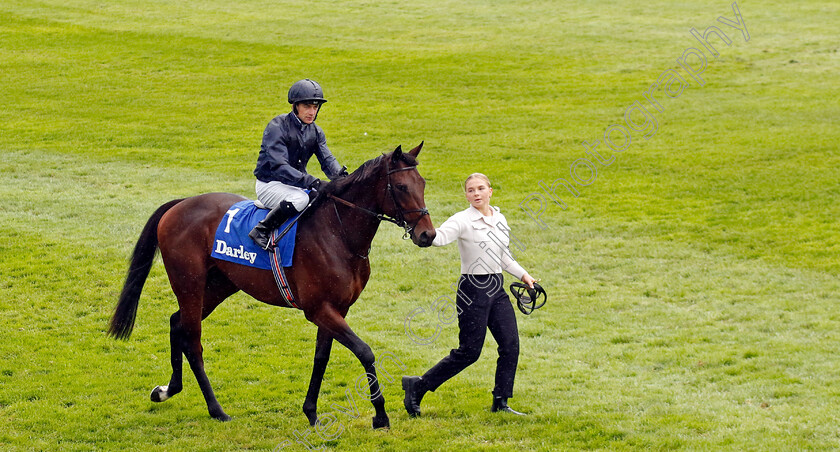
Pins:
<point x="477" y="176"/>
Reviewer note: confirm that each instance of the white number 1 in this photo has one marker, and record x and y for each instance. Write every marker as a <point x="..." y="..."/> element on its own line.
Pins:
<point x="230" y="214"/>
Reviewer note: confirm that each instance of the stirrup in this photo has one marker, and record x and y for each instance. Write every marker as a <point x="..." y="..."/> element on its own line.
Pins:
<point x="261" y="240"/>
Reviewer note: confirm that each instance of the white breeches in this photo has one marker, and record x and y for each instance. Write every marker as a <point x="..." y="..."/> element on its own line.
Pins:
<point x="271" y="194"/>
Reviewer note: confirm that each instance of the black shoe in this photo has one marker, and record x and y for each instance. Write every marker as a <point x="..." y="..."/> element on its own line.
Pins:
<point x="261" y="234"/>
<point x="500" y="404"/>
<point x="414" y="388"/>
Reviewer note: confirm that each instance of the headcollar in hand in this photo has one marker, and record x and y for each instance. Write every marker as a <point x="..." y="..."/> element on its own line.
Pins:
<point x="528" y="299"/>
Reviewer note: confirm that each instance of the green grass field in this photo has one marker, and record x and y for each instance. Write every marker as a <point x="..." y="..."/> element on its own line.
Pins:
<point x="693" y="282"/>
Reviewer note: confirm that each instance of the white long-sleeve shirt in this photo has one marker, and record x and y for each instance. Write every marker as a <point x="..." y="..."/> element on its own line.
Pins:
<point x="482" y="241"/>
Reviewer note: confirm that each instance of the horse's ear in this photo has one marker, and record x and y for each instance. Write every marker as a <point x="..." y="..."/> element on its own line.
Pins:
<point x="416" y="150"/>
<point x="397" y="154"/>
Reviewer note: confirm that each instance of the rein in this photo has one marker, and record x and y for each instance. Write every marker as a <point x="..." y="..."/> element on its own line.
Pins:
<point x="379" y="216"/>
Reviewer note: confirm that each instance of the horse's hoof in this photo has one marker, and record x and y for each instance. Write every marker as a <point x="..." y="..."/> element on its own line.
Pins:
<point x="221" y="417"/>
<point x="380" y="423"/>
<point x="159" y="394"/>
<point x="312" y="416"/>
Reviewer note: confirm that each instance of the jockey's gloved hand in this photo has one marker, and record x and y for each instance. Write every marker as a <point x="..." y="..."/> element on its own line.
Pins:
<point x="343" y="172"/>
<point x="316" y="184"/>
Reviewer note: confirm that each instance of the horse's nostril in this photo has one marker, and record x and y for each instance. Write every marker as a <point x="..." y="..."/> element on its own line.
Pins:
<point x="425" y="239"/>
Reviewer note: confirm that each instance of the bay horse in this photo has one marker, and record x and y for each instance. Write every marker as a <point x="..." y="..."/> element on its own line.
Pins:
<point x="329" y="269"/>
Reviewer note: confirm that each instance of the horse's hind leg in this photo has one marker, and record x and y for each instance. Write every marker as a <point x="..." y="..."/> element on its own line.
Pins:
<point x="217" y="289"/>
<point x="198" y="293"/>
<point x="193" y="351"/>
<point x="162" y="393"/>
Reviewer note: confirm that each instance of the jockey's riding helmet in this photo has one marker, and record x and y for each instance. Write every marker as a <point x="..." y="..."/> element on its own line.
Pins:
<point x="306" y="91"/>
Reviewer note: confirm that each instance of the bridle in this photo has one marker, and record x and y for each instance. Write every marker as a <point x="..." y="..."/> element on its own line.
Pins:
<point x="399" y="220"/>
<point x="528" y="299"/>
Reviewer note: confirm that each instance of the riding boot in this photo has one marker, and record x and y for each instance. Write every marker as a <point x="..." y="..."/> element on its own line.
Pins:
<point x="500" y="404"/>
<point x="261" y="234"/>
<point x="415" y="389"/>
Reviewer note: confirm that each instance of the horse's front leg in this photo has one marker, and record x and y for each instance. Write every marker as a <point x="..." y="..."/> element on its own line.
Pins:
<point x="323" y="345"/>
<point x="341" y="332"/>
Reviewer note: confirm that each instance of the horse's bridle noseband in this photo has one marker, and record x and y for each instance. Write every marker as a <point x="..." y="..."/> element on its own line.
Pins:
<point x="400" y="218"/>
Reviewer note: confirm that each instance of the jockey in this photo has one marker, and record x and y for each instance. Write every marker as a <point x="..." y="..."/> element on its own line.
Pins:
<point x="289" y="141"/>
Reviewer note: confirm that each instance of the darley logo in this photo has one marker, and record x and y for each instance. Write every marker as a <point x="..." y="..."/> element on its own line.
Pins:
<point x="237" y="253"/>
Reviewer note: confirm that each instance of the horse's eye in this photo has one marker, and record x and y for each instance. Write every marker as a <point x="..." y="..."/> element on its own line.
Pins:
<point x="402" y="187"/>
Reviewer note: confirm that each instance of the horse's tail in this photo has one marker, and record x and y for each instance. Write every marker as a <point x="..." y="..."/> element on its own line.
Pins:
<point x="122" y="323"/>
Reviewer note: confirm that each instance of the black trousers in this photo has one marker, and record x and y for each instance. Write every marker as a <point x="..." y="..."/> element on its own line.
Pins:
<point x="482" y="304"/>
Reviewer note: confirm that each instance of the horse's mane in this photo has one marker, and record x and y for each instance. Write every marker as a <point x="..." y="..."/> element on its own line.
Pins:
<point x="362" y="175"/>
<point x="365" y="172"/>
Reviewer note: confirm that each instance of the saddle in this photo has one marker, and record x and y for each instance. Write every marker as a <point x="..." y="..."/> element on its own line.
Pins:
<point x="232" y="243"/>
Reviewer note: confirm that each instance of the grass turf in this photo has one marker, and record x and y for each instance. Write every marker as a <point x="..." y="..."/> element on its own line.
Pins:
<point x="692" y="283"/>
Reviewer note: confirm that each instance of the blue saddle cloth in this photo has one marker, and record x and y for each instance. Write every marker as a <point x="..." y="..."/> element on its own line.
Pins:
<point x="232" y="243"/>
